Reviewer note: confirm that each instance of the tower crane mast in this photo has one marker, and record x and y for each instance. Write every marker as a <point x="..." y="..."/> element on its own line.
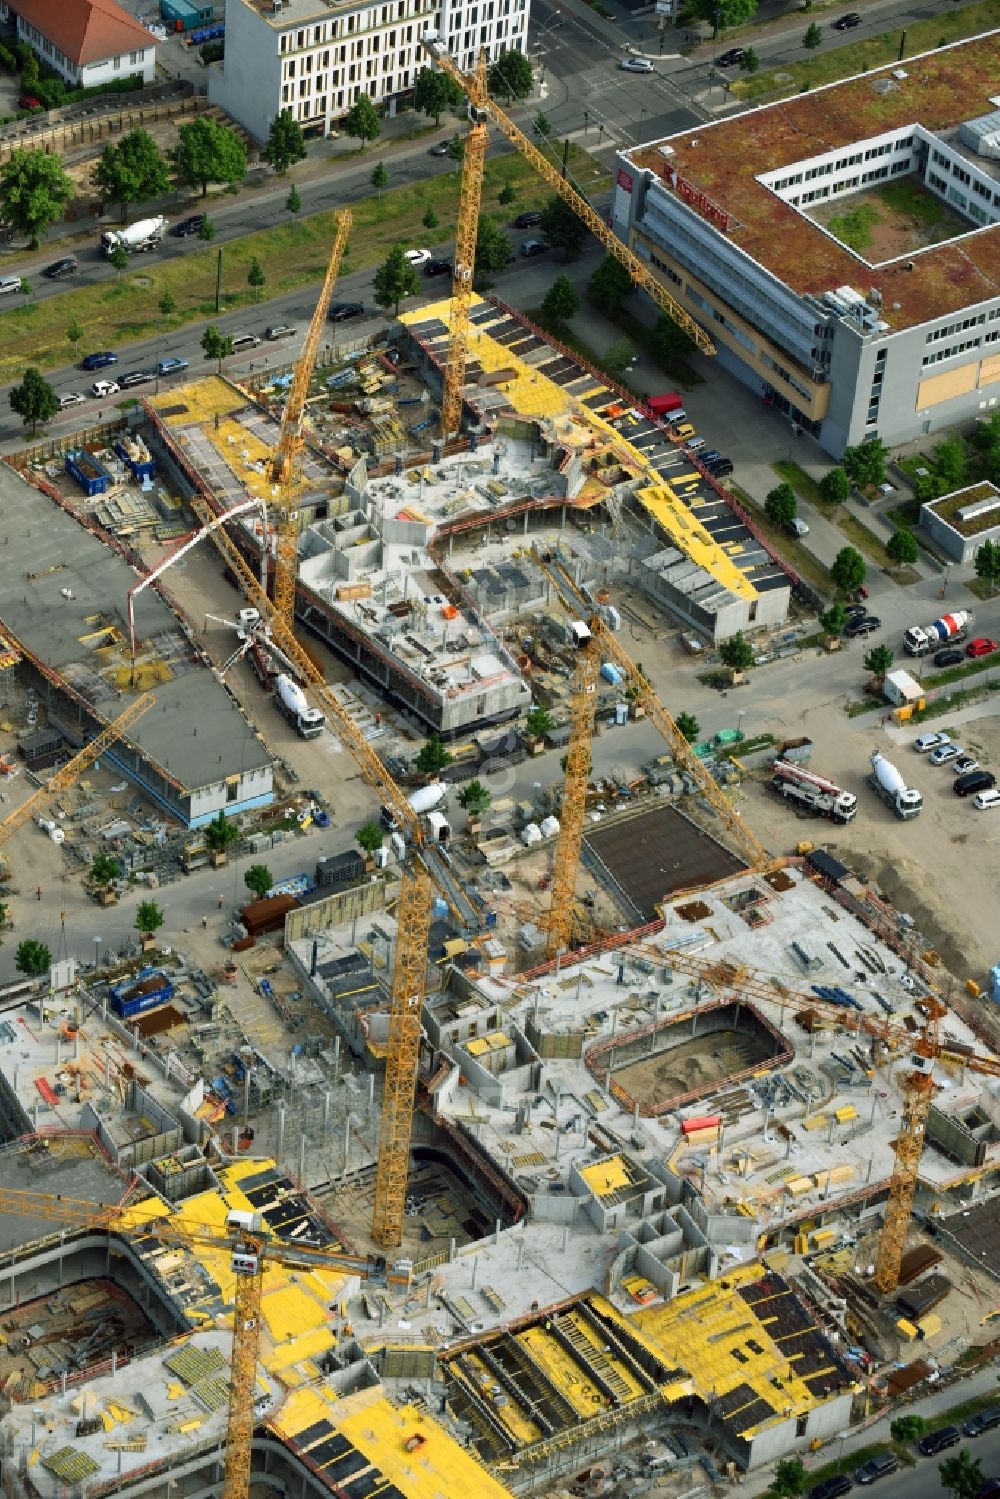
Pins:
<point x="284" y="460"/>
<point x="483" y="108"/>
<point x="573" y="808"/>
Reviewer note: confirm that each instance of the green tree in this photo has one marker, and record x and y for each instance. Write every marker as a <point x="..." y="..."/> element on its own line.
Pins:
<point x="506" y="194"/>
<point x="736" y="652"/>
<point x="206" y="231"/>
<point x="865" y="464"/>
<point x="433" y="756"/>
<point x="435" y="92"/>
<point x="907" y="1428"/>
<point x="208" y="151"/>
<point x="34" y="400"/>
<point x="962" y="1474"/>
<point x="74" y="333"/>
<point x="668" y="341"/>
<point x="542" y="125"/>
<point x="790" y="1479"/>
<point x="879" y="660"/>
<point x="104" y="869"/>
<point x="724" y="14"/>
<point x="561" y="228"/>
<point x="26" y="287"/>
<point x="950" y="463"/>
<point x="781" y="504"/>
<point x="370" y="837"/>
<point x="609" y="286"/>
<point x="258" y="880"/>
<point x="848" y="570"/>
<point x="833" y="620"/>
<point x="29" y="72"/>
<point x="34" y="190"/>
<point x="561" y="301"/>
<point x="167" y="304"/>
<point x="33" y="958"/>
<point x="835" y="486"/>
<point x="456" y="148"/>
<point x="256" y="277"/>
<point x="362" y="121"/>
<point x="131" y="170"/>
<point x="380" y="178"/>
<point x="430" y="219"/>
<point x="511" y="76"/>
<point x="395" y="280"/>
<point x="618" y="358"/>
<point x="148" y="917"/>
<point x="286" y="143"/>
<point x="689" y="726"/>
<point x="492" y="247"/>
<point x="119" y="259"/>
<point x="293" y="202"/>
<point x="475" y="798"/>
<point x="813" y="36"/>
<point x="221" y="834"/>
<point x="538" y="722"/>
<point x="217" y="345"/>
<point x="987" y="563"/>
<point x="902" y="547"/>
<point x="750" y="62"/>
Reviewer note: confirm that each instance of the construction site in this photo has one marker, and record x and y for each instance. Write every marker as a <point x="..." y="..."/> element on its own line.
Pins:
<point x="562" y="1139"/>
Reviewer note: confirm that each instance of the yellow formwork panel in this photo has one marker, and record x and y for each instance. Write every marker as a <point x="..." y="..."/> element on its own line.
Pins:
<point x="412" y="1450"/>
<point x="607" y="1176"/>
<point x="303" y="1408"/>
<point x="474" y="1374"/>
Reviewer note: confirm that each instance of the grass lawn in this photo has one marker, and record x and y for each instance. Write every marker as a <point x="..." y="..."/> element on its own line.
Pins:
<point x="804" y="484"/>
<point x="913" y="199"/>
<point x="854" y="1460"/>
<point x="293" y="254"/>
<point x="968" y="668"/>
<point x="873" y="548"/>
<point x="803" y="561"/>
<point x="855" y="227"/>
<point x="861" y="56"/>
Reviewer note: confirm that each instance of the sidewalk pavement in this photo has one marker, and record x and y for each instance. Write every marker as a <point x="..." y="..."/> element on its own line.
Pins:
<point x="937" y="1403"/>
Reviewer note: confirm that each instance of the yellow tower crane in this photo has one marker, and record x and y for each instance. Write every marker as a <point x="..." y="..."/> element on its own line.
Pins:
<point x="918" y="1089"/>
<point x="251" y="1246"/>
<point x="409" y="976"/>
<point x="483" y="108"/>
<point x="67" y="774"/>
<point x="291" y="438"/>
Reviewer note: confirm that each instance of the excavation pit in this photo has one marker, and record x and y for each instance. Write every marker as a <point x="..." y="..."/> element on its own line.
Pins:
<point x="651" y="856"/>
<point x="678" y="1060"/>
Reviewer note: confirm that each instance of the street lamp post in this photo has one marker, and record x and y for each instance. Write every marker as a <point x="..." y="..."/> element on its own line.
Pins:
<point x="97" y="955"/>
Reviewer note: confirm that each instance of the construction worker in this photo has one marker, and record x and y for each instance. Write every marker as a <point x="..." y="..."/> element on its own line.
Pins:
<point x="222" y="901"/>
<point x="38" y="892"/>
<point x="204" y="921"/>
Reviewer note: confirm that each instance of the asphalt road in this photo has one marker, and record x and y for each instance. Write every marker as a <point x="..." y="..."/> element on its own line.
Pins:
<point x="924" y="1481"/>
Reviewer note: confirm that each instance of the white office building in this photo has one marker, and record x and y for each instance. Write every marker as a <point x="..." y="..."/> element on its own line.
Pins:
<point x="314" y="57"/>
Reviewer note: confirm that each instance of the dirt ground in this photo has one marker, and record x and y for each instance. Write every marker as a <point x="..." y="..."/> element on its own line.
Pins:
<point x="942" y="868"/>
<point x="893" y="231"/>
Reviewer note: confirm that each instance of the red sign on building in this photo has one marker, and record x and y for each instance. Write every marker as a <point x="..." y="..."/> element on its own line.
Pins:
<point x="624" y="181"/>
<point x="698" y="200"/>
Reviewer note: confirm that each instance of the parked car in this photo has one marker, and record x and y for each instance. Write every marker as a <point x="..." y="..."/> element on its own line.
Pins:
<point x="418" y="257"/>
<point x="856" y="628"/>
<point x="986" y="800"/>
<point x="188" y="226"/>
<point x="171" y="366"/>
<point x="135" y="377"/>
<point x="968" y="785"/>
<point x="441" y="149"/>
<point x="98" y="361"/>
<point x="989" y="1489"/>
<point x="855" y="611"/>
<point x="964" y="764"/>
<point x="102" y="388"/>
<point x="981" y="647"/>
<point x="848" y="21"/>
<point x="532" y="247"/>
<point x="831" y="1488"/>
<point x="437" y="268"/>
<point x="684" y="431"/>
<point x="341" y="311"/>
<point x="721" y="469"/>
<point x="948" y="658"/>
<point x="280" y="330"/>
<point x="70" y="398"/>
<point x="698" y="445"/>
<point x="636" y="65"/>
<point x="982" y="1421"/>
<point x="938" y="1441"/>
<point x="945" y="753"/>
<point x="528" y="219"/>
<point x="732" y="58"/>
<point x="801" y="528"/>
<point x="28" y="101"/>
<point x="67" y="266"/>
<point x="926" y="742"/>
<point x="710" y="456"/>
<point x="876" y="1468"/>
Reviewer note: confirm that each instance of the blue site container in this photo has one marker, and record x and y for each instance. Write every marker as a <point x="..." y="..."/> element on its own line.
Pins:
<point x="149" y="987"/>
<point x="995" y="983"/>
<point x="612" y="673"/>
<point x="92" y="477"/>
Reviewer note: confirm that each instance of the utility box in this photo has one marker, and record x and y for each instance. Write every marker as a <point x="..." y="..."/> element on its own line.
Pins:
<point x="903" y="690"/>
<point x="184" y="15"/>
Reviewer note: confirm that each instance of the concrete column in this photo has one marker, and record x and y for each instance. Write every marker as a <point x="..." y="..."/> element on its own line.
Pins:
<point x="524" y="532"/>
<point x="451" y="1251"/>
<point x="58" y="1051"/>
<point x="62" y="1383"/>
<point x="520" y="1254"/>
<point x="371" y="1092"/>
<point x="558" y="962"/>
<point x="635" y="1116"/>
<point x="62" y="1250"/>
<point x="496" y="1230"/>
<point x="354" y="932"/>
<point x="579" y="985"/>
<point x="326" y="1114"/>
<point x="336" y="1058"/>
<point x="236" y="1139"/>
<point x="694" y="1022"/>
<point x="565" y="1238"/>
<point x="281" y="1133"/>
<point x="302" y="1157"/>
<point x="114" y="1361"/>
<point x="558" y="1142"/>
<point x="475" y="1270"/>
<point x="347" y="1141"/>
<point x="76" y="1047"/>
<point x="107" y="1071"/>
